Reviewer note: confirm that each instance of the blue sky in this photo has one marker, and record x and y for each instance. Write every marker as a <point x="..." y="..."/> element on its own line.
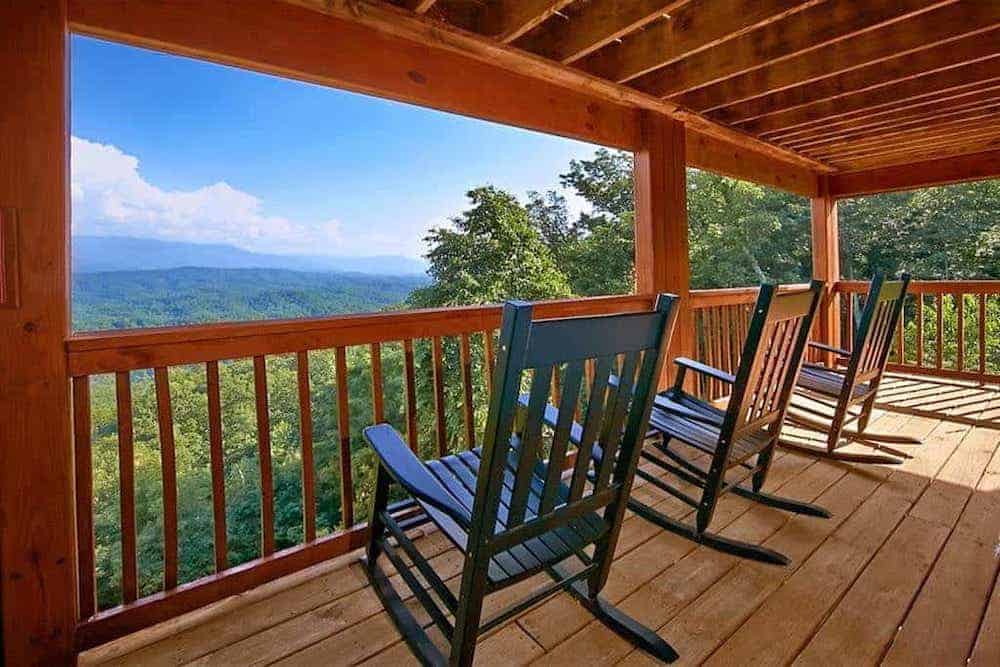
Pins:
<point x="174" y="148"/>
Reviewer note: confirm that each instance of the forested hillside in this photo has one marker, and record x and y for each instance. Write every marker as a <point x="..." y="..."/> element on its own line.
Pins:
<point x="498" y="247"/>
<point x="124" y="299"/>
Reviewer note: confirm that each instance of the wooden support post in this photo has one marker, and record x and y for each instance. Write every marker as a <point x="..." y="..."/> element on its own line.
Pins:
<point x="37" y="543"/>
<point x="662" y="263"/>
<point x="826" y="265"/>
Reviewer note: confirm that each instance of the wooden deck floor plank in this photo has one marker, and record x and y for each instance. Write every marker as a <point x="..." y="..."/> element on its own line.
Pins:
<point x="696" y="572"/>
<point x="873" y="608"/>
<point x="987" y="647"/>
<point x="783" y="624"/>
<point x="964" y="576"/>
<point x="864" y="621"/>
<point x="723" y="608"/>
<point x="560" y="617"/>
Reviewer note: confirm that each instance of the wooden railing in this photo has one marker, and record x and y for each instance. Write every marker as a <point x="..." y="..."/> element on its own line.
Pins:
<point x="948" y="328"/>
<point x="125" y="358"/>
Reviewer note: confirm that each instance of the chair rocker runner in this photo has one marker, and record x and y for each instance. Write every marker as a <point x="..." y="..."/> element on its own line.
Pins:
<point x="827" y="400"/>
<point x="739" y="440"/>
<point x="506" y="506"/>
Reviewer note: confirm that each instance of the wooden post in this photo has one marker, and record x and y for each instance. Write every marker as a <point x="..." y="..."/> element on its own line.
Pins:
<point x="37" y="544"/>
<point x="662" y="263"/>
<point x="826" y="265"/>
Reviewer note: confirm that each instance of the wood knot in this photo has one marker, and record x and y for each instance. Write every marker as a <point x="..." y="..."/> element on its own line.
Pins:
<point x="416" y="77"/>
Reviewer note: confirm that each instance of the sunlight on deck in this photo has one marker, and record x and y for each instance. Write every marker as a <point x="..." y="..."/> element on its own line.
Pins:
<point x="905" y="572"/>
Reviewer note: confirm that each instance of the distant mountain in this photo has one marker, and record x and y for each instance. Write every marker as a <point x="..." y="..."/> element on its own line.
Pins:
<point x="122" y="253"/>
<point x="124" y="299"/>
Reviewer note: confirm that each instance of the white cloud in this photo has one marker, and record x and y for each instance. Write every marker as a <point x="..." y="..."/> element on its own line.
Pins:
<point x="110" y="197"/>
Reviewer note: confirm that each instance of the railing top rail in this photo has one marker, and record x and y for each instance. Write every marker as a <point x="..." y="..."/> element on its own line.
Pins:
<point x="928" y="286"/>
<point x="730" y="296"/>
<point x="134" y="349"/>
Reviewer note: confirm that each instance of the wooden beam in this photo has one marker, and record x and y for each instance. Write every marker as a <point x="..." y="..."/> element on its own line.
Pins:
<point x="693" y="27"/>
<point x="419" y="6"/>
<point x="928" y="122"/>
<point x="974" y="140"/>
<point x="816" y="26"/>
<point x="958" y="52"/>
<point x="596" y="24"/>
<point x="712" y="154"/>
<point x="929" y="29"/>
<point x="897" y="95"/>
<point x="332" y="51"/>
<point x="506" y="20"/>
<point x="920" y="155"/>
<point x="905" y="139"/>
<point x="826" y="264"/>
<point x="893" y="117"/>
<point x="37" y="521"/>
<point x="662" y="262"/>
<point x="978" y="166"/>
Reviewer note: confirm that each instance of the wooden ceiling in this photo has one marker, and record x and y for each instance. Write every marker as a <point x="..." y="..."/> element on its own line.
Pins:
<point x="852" y="84"/>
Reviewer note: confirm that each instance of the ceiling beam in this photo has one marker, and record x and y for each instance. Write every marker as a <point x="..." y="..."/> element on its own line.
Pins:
<point x="596" y="24"/>
<point x="419" y="6"/>
<point x="854" y="134"/>
<point x="721" y="157"/>
<point x="897" y="95"/>
<point x="695" y="26"/>
<point x="801" y="32"/>
<point x="927" y="30"/>
<point x="944" y="134"/>
<point x="951" y="54"/>
<point x="506" y="20"/>
<point x="977" y="166"/>
<point x="920" y="154"/>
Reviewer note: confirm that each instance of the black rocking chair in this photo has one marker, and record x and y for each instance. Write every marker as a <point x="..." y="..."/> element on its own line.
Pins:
<point x="506" y="506"/>
<point x="739" y="439"/>
<point x="843" y="390"/>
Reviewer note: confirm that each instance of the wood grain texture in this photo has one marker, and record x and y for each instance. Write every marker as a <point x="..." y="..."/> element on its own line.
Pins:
<point x="38" y="590"/>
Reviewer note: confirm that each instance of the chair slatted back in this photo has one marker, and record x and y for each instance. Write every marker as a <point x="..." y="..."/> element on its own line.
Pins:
<point x="874" y="334"/>
<point x="587" y="352"/>
<point x="771" y="359"/>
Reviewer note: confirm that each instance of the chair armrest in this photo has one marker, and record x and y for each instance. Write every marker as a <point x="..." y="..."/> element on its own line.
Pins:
<point x="830" y="348"/>
<point x="664" y="403"/>
<point x="411" y="473"/>
<point x="705" y="369"/>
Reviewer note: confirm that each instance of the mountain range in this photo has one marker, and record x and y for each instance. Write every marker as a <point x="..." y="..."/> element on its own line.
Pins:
<point x="121" y="253"/>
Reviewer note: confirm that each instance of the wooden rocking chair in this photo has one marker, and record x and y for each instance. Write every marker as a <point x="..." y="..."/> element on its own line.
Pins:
<point x="841" y="389"/>
<point x="506" y="506"/>
<point x="740" y="439"/>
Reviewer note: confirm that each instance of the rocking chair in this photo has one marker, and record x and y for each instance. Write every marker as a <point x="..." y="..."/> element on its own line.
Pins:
<point x="740" y="439"/>
<point x="506" y="506"/>
<point x="841" y="389"/>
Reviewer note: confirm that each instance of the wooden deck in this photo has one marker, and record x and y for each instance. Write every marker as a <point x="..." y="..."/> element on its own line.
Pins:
<point x="904" y="573"/>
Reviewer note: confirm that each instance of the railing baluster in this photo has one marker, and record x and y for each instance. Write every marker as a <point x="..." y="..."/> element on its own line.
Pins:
<point x="344" y="431"/>
<point x="900" y="342"/>
<point x="218" y="467"/>
<point x="126" y="485"/>
<point x="441" y="430"/>
<point x="306" y="435"/>
<point x="960" y="307"/>
<point x="378" y="398"/>
<point x="490" y="360"/>
<point x="411" y="395"/>
<point x="84" y="496"/>
<point x="982" y="334"/>
<point x="264" y="454"/>
<point x="920" y="330"/>
<point x="168" y="463"/>
<point x="468" y="409"/>
<point x="939" y="325"/>
<point x="727" y="361"/>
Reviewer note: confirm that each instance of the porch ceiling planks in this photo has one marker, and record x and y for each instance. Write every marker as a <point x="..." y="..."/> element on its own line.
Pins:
<point x="774" y="91"/>
<point x="823" y="79"/>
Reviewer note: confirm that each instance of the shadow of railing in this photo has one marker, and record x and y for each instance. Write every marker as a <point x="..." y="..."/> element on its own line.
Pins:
<point x="956" y="401"/>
